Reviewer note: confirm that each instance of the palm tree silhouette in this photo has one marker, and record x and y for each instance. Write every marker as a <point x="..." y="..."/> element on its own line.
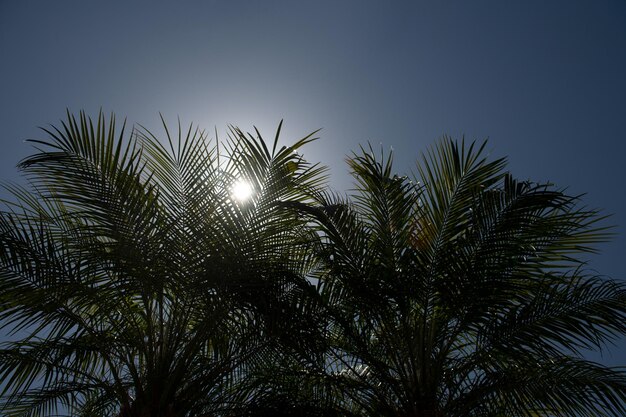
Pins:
<point x="464" y="295"/>
<point x="189" y="277"/>
<point x="138" y="283"/>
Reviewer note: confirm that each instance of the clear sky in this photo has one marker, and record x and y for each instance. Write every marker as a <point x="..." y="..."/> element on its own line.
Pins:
<point x="544" y="81"/>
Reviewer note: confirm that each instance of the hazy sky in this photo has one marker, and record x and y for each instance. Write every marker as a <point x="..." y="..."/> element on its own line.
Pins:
<point x="544" y="81"/>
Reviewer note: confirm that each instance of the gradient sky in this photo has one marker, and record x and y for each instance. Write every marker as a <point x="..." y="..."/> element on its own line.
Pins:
<point x="546" y="83"/>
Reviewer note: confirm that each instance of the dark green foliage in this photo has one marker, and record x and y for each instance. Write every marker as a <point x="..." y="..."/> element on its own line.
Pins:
<point x="135" y="284"/>
<point x="464" y="295"/>
<point x="138" y="284"/>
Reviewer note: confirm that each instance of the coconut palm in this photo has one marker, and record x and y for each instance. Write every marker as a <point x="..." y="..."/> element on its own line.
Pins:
<point x="465" y="294"/>
<point x="133" y="281"/>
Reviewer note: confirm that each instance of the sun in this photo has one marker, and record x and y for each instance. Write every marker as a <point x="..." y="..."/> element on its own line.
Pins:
<point x="241" y="190"/>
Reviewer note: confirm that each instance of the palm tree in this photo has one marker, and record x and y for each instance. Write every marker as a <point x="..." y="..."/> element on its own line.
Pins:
<point x="464" y="295"/>
<point x="135" y="283"/>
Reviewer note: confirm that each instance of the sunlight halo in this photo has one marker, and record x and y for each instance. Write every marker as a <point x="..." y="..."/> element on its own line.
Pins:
<point x="241" y="191"/>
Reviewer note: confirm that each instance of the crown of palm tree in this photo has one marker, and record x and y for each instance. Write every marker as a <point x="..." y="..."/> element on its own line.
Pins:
<point x="465" y="295"/>
<point x="136" y="282"/>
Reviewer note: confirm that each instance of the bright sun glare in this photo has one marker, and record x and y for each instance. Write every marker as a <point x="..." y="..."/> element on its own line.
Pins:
<point x="242" y="190"/>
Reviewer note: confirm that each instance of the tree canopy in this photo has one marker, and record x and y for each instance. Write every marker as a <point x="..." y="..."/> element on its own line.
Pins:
<point x="136" y="280"/>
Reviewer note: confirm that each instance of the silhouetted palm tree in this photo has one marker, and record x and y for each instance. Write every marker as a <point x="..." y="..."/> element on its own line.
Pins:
<point x="136" y="282"/>
<point x="141" y="280"/>
<point x="465" y="295"/>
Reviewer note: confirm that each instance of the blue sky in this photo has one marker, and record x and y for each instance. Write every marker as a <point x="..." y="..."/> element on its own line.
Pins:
<point x="544" y="81"/>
